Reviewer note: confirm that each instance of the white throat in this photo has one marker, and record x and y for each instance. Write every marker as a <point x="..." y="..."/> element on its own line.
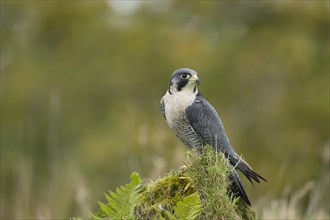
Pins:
<point x="177" y="102"/>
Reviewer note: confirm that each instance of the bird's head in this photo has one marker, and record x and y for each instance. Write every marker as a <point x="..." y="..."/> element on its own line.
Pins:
<point x="184" y="79"/>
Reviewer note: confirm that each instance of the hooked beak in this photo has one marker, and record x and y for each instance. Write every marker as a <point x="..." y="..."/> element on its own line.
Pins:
<point x="195" y="79"/>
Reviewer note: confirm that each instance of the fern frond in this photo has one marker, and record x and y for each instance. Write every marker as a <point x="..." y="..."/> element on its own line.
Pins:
<point x="94" y="217"/>
<point x="188" y="208"/>
<point x="168" y="215"/>
<point x="121" y="203"/>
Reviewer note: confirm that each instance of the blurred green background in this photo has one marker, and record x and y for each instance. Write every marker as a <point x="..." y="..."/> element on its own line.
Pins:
<point x="81" y="83"/>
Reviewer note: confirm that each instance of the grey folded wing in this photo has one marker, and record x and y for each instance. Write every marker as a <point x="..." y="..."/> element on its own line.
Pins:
<point x="207" y="124"/>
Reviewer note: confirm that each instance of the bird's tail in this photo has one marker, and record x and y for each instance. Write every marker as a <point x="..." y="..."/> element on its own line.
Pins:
<point x="245" y="168"/>
<point x="237" y="188"/>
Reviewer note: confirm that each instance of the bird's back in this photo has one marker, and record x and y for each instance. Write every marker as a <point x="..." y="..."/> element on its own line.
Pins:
<point x="207" y="124"/>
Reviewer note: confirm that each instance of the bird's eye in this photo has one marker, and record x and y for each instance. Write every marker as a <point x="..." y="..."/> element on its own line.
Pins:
<point x="184" y="75"/>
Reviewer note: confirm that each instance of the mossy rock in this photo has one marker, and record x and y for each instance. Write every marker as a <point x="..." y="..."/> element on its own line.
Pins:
<point x="205" y="174"/>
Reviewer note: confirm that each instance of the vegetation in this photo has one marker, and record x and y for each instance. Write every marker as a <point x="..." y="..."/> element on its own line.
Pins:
<point x="200" y="189"/>
<point x="120" y="204"/>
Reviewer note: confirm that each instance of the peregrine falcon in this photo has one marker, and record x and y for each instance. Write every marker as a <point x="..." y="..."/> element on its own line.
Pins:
<point x="196" y="123"/>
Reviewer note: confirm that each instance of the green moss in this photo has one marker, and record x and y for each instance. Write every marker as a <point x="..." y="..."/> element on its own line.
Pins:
<point x="163" y="194"/>
<point x="244" y="211"/>
<point x="208" y="172"/>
